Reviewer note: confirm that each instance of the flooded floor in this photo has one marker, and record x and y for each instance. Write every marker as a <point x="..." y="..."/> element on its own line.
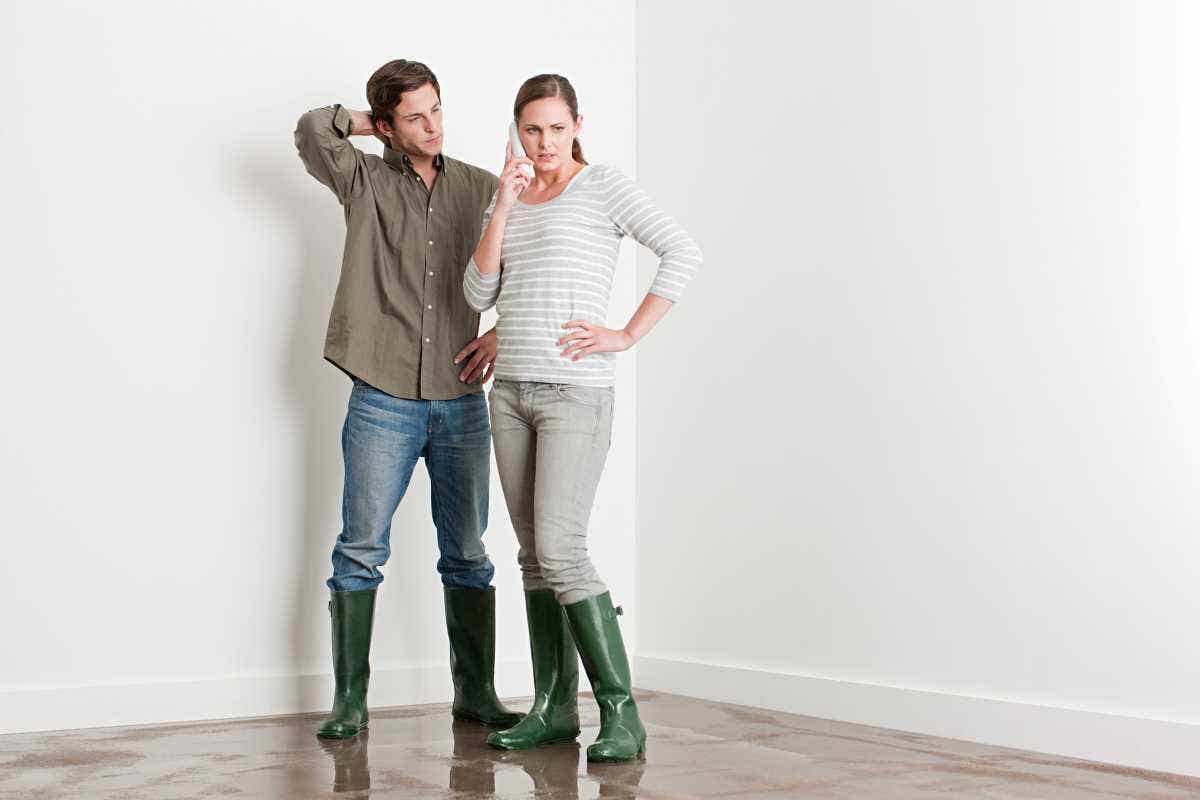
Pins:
<point x="695" y="748"/>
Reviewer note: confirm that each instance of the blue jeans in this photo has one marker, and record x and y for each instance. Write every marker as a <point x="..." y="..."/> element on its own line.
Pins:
<point x="382" y="438"/>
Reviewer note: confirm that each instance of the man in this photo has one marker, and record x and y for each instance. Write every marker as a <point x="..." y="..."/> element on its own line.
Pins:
<point x="401" y="329"/>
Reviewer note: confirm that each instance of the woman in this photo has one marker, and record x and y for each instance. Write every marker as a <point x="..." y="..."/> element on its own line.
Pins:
<point x="546" y="261"/>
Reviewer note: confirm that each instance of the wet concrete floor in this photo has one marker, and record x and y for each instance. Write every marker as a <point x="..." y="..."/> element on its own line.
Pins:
<point x="695" y="748"/>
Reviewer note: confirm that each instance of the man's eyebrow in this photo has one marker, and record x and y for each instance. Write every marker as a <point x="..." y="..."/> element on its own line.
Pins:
<point x="419" y="113"/>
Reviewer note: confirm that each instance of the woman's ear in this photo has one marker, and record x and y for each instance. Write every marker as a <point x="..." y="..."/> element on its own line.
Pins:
<point x="579" y="124"/>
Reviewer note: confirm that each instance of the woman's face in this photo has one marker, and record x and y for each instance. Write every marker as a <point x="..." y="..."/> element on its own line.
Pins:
<point x="547" y="132"/>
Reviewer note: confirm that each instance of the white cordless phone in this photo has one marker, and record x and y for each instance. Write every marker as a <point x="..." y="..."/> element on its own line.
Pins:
<point x="518" y="149"/>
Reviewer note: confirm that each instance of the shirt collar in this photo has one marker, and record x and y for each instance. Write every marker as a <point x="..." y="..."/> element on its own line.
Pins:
<point x="400" y="160"/>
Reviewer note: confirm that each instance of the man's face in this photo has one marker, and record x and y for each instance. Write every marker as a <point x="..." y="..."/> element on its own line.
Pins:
<point x="416" y="126"/>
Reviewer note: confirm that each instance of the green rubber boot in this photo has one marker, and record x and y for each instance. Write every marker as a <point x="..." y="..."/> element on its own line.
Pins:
<point x="351" y="614"/>
<point x="471" y="625"/>
<point x="554" y="716"/>
<point x="598" y="637"/>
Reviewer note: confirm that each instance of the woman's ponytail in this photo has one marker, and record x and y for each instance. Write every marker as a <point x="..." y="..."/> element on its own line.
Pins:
<point x="549" y="85"/>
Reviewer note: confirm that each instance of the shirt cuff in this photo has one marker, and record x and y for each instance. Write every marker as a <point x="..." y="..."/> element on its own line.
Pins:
<point x="342" y="123"/>
<point x="487" y="281"/>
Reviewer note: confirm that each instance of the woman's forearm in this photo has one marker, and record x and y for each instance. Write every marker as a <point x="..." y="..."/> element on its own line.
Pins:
<point x="487" y="254"/>
<point x="653" y="308"/>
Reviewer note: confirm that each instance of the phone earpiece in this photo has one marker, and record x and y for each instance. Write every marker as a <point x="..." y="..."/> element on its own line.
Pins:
<point x="518" y="149"/>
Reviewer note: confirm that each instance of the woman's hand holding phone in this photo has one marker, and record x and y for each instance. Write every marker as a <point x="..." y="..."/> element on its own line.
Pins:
<point x="512" y="180"/>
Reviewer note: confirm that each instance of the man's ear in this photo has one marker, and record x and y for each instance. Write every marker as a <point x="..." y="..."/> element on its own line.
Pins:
<point x="382" y="129"/>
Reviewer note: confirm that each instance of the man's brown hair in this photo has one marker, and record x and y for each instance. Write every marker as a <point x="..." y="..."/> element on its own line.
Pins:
<point x="393" y="79"/>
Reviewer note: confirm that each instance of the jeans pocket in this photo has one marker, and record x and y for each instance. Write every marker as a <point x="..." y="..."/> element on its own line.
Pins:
<point x="595" y="397"/>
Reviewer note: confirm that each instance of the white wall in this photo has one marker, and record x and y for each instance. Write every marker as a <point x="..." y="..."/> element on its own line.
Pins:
<point x="919" y="447"/>
<point x="171" y="465"/>
<point x="928" y="418"/>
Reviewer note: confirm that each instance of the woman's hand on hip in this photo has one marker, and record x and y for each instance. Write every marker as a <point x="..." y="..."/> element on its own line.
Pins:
<point x="588" y="338"/>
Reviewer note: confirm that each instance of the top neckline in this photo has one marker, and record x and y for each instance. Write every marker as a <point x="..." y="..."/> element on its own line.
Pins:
<point x="574" y="179"/>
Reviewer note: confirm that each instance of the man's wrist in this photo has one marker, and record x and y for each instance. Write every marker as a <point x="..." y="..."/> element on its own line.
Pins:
<point x="361" y="123"/>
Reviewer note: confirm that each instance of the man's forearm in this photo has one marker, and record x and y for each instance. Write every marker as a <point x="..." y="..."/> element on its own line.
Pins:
<point x="360" y="123"/>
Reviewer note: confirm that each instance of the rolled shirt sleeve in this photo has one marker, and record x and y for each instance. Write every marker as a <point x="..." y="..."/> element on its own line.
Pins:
<point x="482" y="291"/>
<point x="322" y="140"/>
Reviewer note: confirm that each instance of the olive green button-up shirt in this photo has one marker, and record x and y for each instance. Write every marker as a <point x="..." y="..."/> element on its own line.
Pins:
<point x="399" y="315"/>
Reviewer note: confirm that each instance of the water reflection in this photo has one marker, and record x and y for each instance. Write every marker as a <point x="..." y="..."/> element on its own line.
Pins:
<point x="618" y="781"/>
<point x="557" y="772"/>
<point x="554" y="769"/>
<point x="351" y="772"/>
<point x="472" y="769"/>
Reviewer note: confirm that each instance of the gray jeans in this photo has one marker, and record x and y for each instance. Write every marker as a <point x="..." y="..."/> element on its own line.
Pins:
<point x="551" y="441"/>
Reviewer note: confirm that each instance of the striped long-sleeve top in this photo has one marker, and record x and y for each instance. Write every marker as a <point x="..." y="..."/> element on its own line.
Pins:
<point x="557" y="263"/>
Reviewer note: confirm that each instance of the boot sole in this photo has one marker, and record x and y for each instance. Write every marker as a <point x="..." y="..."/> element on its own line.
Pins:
<point x="560" y="740"/>
<point x="640" y="755"/>
<point x="462" y="716"/>
<point x="335" y="736"/>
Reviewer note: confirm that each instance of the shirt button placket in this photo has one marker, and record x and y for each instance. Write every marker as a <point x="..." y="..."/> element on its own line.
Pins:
<point x="431" y="291"/>
<point x="426" y="317"/>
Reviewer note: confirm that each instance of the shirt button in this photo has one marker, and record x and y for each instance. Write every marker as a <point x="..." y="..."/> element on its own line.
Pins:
<point x="427" y="340"/>
<point x="429" y="307"/>
<point x="431" y="241"/>
<point x="431" y="274"/>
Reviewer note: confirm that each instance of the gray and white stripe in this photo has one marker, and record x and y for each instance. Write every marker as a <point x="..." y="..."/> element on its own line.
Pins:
<point x="557" y="263"/>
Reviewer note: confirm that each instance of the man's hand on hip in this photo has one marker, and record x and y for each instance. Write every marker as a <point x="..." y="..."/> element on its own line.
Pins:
<point x="482" y="354"/>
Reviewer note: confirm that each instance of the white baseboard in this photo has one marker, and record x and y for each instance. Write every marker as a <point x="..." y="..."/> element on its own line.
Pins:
<point x="1130" y="741"/>
<point x="61" y="708"/>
